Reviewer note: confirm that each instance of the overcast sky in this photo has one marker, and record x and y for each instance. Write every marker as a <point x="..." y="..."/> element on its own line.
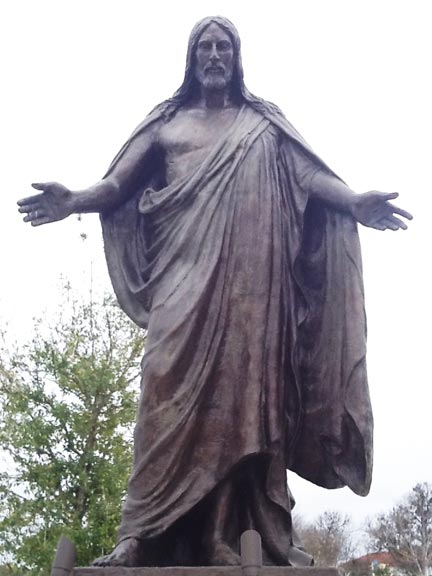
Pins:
<point x="352" y="76"/>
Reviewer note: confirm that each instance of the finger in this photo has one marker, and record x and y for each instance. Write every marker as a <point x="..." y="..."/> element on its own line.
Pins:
<point x="384" y="195"/>
<point x="29" y="200"/>
<point x="390" y="224"/>
<point x="28" y="208"/>
<point x="31" y="216"/>
<point x="378" y="226"/>
<point x="401" y="212"/>
<point x="34" y="215"/>
<point x="391" y="195"/>
<point x="399" y="223"/>
<point x="41" y="185"/>
<point x="40" y="221"/>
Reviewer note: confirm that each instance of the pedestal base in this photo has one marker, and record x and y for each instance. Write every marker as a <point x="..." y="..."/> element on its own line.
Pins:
<point x="203" y="571"/>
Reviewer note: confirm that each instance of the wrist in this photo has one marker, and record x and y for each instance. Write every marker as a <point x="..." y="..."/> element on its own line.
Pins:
<point x="352" y="204"/>
<point x="72" y="203"/>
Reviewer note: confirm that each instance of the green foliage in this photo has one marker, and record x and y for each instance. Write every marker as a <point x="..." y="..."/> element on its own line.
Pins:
<point x="382" y="570"/>
<point x="406" y="531"/>
<point x="10" y="570"/>
<point x="67" y="407"/>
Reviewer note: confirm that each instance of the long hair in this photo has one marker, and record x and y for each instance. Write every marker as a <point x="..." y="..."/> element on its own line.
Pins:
<point x="189" y="88"/>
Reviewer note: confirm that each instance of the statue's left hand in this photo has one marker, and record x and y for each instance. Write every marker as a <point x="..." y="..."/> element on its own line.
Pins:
<point x="375" y="210"/>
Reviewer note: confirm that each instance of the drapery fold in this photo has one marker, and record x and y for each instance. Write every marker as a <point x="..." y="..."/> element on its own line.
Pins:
<point x="252" y="295"/>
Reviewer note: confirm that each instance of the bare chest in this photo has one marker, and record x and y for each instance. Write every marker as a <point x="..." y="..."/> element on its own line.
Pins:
<point x="188" y="138"/>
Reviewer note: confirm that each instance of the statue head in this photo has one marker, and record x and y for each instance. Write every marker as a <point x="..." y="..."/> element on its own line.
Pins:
<point x="190" y="87"/>
<point x="214" y="59"/>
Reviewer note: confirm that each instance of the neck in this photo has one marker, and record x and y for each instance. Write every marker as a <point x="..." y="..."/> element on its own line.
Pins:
<point x="215" y="99"/>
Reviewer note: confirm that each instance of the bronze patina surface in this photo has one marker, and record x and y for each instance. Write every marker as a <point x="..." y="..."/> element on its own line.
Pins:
<point x="237" y="248"/>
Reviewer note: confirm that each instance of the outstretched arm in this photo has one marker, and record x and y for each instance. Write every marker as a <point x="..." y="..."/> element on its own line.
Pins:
<point x="56" y="202"/>
<point x="372" y="209"/>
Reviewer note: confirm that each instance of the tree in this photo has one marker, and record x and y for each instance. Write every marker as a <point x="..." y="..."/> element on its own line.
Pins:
<point x="328" y="538"/>
<point x="66" y="411"/>
<point x="406" y="531"/>
<point x="10" y="570"/>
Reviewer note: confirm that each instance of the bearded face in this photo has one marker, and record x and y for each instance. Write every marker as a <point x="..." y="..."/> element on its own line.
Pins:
<point x="214" y="58"/>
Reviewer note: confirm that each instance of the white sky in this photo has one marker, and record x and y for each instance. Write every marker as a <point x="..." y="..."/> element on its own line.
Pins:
<point x="352" y="76"/>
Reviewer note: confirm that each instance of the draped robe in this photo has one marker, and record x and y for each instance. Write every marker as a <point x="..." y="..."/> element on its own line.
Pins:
<point x="252" y="295"/>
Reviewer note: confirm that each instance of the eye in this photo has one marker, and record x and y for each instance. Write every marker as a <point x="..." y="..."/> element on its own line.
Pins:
<point x="224" y="46"/>
<point x="204" y="45"/>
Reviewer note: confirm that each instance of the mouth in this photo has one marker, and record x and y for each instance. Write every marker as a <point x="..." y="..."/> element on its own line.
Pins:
<point x="215" y="69"/>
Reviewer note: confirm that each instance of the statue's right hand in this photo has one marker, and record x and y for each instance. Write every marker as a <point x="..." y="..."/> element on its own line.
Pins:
<point x="54" y="203"/>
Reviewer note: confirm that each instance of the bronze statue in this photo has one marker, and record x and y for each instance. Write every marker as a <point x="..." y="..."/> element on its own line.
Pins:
<point x="237" y="247"/>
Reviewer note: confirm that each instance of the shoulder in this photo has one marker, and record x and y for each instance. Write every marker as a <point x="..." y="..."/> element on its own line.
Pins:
<point x="147" y="133"/>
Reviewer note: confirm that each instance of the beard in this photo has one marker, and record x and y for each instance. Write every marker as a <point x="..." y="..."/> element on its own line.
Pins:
<point x="214" y="79"/>
<point x="215" y="82"/>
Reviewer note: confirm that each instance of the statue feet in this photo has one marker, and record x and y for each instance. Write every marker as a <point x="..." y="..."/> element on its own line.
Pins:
<point x="126" y="553"/>
<point x="220" y="554"/>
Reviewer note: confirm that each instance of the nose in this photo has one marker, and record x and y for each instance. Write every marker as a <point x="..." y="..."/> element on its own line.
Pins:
<point x="214" y="54"/>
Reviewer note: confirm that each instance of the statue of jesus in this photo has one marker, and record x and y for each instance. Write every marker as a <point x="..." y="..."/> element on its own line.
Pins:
<point x="236" y="247"/>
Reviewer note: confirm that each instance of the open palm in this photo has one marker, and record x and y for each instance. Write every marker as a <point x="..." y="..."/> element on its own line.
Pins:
<point x="53" y="204"/>
<point x="375" y="210"/>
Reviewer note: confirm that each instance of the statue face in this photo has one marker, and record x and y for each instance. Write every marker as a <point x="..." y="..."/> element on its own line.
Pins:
<point x="214" y="62"/>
